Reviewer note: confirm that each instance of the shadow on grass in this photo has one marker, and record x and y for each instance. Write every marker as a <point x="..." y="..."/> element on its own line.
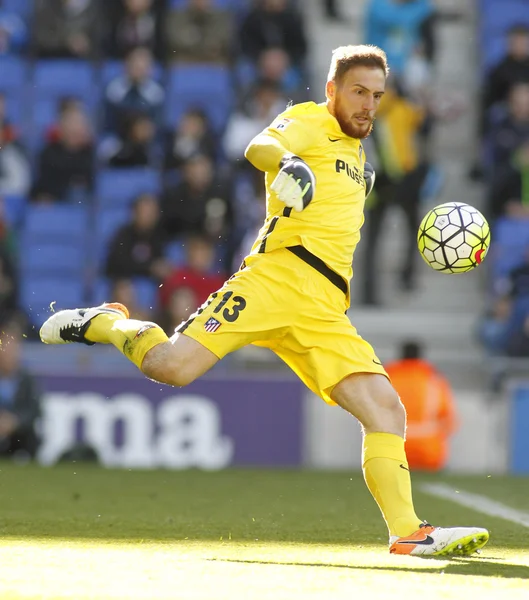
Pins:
<point x="483" y="567"/>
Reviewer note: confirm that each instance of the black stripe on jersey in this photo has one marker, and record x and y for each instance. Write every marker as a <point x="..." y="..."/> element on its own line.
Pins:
<point x="184" y="326"/>
<point x="286" y="211"/>
<point x="271" y="228"/>
<point x="320" y="266"/>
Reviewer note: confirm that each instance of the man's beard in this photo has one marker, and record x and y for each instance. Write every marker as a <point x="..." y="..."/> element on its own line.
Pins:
<point x="348" y="127"/>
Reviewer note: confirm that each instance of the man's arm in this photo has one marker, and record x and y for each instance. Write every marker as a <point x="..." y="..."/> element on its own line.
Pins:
<point x="265" y="152"/>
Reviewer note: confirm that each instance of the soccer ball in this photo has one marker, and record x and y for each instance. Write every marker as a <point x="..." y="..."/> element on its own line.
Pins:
<point x="453" y="238"/>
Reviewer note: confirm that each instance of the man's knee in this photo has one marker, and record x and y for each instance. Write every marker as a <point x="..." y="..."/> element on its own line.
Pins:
<point x="164" y="363"/>
<point x="373" y="401"/>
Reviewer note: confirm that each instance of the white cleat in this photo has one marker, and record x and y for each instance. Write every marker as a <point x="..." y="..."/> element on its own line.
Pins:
<point x="67" y="326"/>
<point x="440" y="541"/>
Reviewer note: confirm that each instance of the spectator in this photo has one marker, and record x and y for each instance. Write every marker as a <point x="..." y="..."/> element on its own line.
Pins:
<point x="199" y="33"/>
<point x="136" y="148"/>
<point x="65" y="105"/>
<point x="259" y="110"/>
<point x="67" y="29"/>
<point x="250" y="203"/>
<point x="274" y="24"/>
<point x="123" y="291"/>
<point x="135" y="92"/>
<point x="134" y="23"/>
<point x="510" y="151"/>
<point x="19" y="397"/>
<point x="397" y="26"/>
<point x="331" y="11"/>
<point x="430" y="408"/>
<point x="193" y="135"/>
<point x="512" y="70"/>
<point x="181" y="304"/>
<point x="401" y="172"/>
<point x="8" y="280"/>
<point x="15" y="172"/>
<point x="137" y="249"/>
<point x="66" y="166"/>
<point x="274" y="65"/>
<point x="199" y="203"/>
<point x="8" y="236"/>
<point x="198" y="274"/>
<point x="13" y="32"/>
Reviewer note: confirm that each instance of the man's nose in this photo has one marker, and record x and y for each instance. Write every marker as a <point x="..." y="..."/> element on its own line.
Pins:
<point x="369" y="103"/>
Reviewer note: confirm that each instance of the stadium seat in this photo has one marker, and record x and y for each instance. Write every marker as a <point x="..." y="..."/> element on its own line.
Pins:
<point x="56" y="221"/>
<point x="13" y="208"/>
<point x="108" y="221"/>
<point x="37" y="293"/>
<point x="207" y="86"/>
<point x="175" y="253"/>
<point x="51" y="256"/>
<point x="224" y="4"/>
<point x="15" y="106"/>
<point x="510" y="245"/>
<point x="24" y="8"/>
<point x="13" y="73"/>
<point x="57" y="78"/>
<point x="114" y="68"/>
<point x="119" y="187"/>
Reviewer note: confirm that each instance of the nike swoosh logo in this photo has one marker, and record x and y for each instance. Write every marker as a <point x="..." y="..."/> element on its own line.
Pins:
<point x="428" y="541"/>
<point x="336" y="140"/>
<point x="377" y="362"/>
<point x="405" y="468"/>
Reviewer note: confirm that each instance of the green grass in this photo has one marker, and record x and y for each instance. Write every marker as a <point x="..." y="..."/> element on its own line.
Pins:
<point x="78" y="531"/>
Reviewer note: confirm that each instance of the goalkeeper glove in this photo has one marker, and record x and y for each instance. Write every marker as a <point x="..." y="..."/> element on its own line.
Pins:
<point x="369" y="178"/>
<point x="295" y="183"/>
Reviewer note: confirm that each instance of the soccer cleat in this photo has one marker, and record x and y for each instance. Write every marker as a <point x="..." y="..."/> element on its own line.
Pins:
<point x="67" y="326"/>
<point x="440" y="541"/>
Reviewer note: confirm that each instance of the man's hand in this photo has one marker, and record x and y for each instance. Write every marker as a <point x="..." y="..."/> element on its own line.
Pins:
<point x="369" y="177"/>
<point x="295" y="183"/>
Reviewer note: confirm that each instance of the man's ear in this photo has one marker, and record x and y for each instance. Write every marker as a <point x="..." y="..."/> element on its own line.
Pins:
<point x="330" y="89"/>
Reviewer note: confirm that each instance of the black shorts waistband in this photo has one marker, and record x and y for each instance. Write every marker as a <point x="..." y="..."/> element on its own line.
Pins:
<point x="320" y="266"/>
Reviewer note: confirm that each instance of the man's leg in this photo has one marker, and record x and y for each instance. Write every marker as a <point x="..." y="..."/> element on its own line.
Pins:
<point x="177" y="361"/>
<point x="374" y="402"/>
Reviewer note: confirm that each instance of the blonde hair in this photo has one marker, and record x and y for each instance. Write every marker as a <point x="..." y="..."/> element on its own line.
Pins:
<point x="347" y="57"/>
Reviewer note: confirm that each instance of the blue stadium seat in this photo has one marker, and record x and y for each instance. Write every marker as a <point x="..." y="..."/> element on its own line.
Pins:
<point x="114" y="68"/>
<point x="13" y="73"/>
<point x="207" y="86"/>
<point x="38" y="292"/>
<point x="108" y="221"/>
<point x="15" y="106"/>
<point x="175" y="253"/>
<point x="146" y="293"/>
<point x="57" y="221"/>
<point x="56" y="78"/>
<point x="24" y="8"/>
<point x="119" y="187"/>
<point x="50" y="256"/>
<point x="13" y="207"/>
<point x="225" y="4"/>
<point x="496" y="19"/>
<point x="510" y="244"/>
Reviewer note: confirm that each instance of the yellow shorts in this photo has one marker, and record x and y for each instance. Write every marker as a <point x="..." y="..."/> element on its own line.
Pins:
<point x="279" y="302"/>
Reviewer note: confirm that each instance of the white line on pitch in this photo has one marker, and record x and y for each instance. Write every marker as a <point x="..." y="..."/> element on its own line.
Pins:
<point x="477" y="502"/>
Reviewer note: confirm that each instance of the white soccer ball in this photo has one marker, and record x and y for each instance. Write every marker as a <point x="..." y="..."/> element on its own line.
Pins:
<point x="453" y="237"/>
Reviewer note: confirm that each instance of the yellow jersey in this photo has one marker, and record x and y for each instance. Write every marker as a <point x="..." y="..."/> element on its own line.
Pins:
<point x="329" y="227"/>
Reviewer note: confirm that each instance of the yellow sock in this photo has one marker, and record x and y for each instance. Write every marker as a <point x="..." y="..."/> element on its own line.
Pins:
<point x="132" y="338"/>
<point x="387" y="476"/>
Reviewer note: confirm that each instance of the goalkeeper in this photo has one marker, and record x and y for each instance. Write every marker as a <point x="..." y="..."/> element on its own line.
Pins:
<point x="291" y="293"/>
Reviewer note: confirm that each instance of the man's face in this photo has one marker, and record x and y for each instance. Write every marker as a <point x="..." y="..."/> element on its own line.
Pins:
<point x="355" y="99"/>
